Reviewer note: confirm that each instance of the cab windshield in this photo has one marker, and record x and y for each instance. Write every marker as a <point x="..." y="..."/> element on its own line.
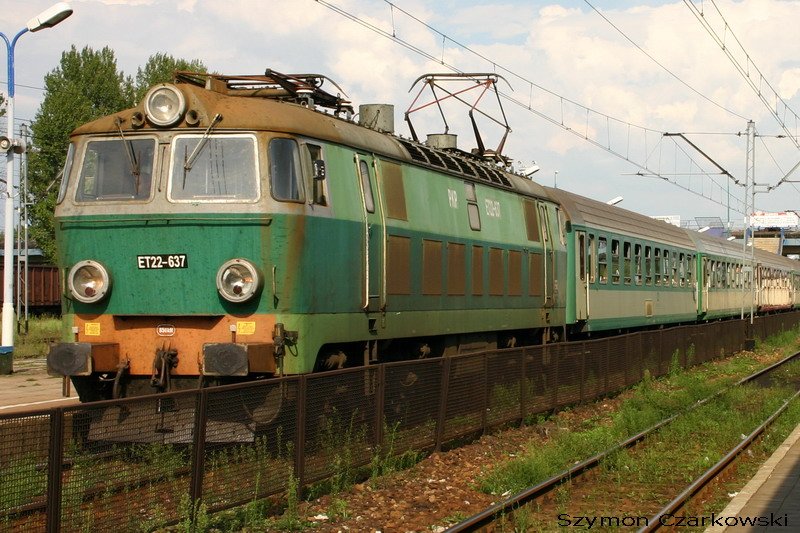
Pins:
<point x="216" y="168"/>
<point x="113" y="171"/>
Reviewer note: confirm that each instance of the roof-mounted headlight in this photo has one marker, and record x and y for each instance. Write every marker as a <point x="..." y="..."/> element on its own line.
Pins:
<point x="164" y="105"/>
<point x="238" y="280"/>
<point x="88" y="281"/>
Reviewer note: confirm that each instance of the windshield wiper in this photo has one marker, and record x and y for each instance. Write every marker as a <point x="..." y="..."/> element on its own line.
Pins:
<point x="189" y="160"/>
<point x="135" y="172"/>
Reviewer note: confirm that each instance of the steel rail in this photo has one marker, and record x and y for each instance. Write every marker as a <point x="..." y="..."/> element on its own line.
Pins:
<point x="493" y="513"/>
<point x="655" y="522"/>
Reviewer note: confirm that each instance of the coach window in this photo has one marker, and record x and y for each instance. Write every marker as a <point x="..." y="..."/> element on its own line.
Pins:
<point x="637" y="263"/>
<point x="614" y="261"/>
<point x="116" y="170"/>
<point x="657" y="262"/>
<point x="602" y="260"/>
<point x="314" y="168"/>
<point x="682" y="270"/>
<point x="675" y="266"/>
<point x="627" y="267"/>
<point x="665" y="272"/>
<point x="592" y="260"/>
<point x="648" y="265"/>
<point x="582" y="256"/>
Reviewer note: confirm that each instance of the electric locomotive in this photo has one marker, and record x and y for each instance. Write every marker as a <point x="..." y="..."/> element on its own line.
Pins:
<point x="232" y="228"/>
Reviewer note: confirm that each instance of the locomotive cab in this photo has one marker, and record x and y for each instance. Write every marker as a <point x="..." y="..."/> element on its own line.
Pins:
<point x="165" y="223"/>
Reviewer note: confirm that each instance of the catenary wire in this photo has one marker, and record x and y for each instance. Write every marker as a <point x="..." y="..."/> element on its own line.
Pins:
<point x="657" y="62"/>
<point x="393" y="36"/>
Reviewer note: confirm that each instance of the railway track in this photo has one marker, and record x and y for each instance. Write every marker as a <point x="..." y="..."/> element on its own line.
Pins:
<point x="503" y="511"/>
<point x="86" y="494"/>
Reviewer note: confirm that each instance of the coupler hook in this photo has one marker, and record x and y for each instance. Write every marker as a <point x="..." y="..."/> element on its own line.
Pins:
<point x="165" y="360"/>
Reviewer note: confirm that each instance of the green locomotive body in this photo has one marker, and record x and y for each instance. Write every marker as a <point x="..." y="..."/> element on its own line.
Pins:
<point x="225" y="229"/>
<point x="237" y="228"/>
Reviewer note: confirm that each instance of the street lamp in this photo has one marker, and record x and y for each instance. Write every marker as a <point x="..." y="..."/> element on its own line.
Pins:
<point x="555" y="179"/>
<point x="46" y="19"/>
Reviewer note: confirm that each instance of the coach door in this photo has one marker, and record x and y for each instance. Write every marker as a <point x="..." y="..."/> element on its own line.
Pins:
<point x="583" y="251"/>
<point x="706" y="284"/>
<point x="373" y="242"/>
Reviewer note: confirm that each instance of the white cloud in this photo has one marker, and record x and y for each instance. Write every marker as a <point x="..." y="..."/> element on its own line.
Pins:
<point x="789" y="83"/>
<point x="566" y="48"/>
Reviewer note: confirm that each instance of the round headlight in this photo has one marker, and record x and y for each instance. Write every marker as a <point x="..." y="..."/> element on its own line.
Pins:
<point x="88" y="281"/>
<point x="238" y="280"/>
<point x="164" y="105"/>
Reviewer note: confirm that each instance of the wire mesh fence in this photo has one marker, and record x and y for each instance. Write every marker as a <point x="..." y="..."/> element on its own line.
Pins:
<point x="143" y="463"/>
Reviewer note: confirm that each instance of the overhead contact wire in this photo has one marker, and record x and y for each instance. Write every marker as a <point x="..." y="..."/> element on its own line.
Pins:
<point x="393" y="36"/>
<point x="668" y="71"/>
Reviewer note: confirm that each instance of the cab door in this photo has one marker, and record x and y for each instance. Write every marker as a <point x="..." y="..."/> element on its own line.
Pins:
<point x="373" y="238"/>
<point x="549" y="255"/>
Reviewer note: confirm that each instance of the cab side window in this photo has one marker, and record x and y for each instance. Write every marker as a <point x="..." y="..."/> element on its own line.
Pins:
<point x="284" y="170"/>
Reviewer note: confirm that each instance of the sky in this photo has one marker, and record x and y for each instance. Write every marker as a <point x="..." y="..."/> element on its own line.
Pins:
<point x="583" y="102"/>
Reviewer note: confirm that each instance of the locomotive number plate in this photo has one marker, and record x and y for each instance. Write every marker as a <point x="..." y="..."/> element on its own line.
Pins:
<point x="157" y="262"/>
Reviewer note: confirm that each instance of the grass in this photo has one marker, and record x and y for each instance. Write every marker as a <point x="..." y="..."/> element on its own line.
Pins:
<point x="652" y="401"/>
<point x="42" y="331"/>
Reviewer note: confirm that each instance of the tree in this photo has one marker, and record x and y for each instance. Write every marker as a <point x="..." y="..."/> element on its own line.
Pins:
<point x="86" y="85"/>
<point x="160" y="68"/>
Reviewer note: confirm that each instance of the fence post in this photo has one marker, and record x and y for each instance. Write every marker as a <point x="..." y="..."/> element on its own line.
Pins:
<point x="583" y="374"/>
<point x="523" y="387"/>
<point x="380" y="402"/>
<point x="443" y="403"/>
<point x="54" y="461"/>
<point x="300" y="445"/>
<point x="486" y="393"/>
<point x="199" y="450"/>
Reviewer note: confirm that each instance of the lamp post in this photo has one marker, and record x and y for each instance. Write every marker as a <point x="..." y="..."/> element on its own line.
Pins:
<point x="46" y="19"/>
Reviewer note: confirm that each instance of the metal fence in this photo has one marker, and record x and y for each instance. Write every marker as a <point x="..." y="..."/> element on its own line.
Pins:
<point x="139" y="463"/>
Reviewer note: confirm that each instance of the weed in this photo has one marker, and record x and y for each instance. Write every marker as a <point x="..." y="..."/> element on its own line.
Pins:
<point x="194" y="515"/>
<point x="21" y="481"/>
<point x="455" y="518"/>
<point x="675" y="363"/>
<point x="337" y="509"/>
<point x="523" y="520"/>
<point x="159" y="458"/>
<point x="291" y="521"/>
